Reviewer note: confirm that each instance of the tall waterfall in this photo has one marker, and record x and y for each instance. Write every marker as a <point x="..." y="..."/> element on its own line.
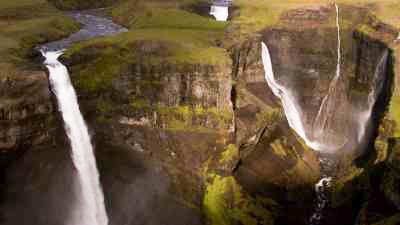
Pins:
<point x="90" y="208"/>
<point x="331" y="128"/>
<point x="290" y="106"/>
<point x="327" y="104"/>
<point x="314" y="137"/>
<point x="365" y="115"/>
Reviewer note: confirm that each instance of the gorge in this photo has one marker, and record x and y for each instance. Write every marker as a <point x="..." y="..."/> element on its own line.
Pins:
<point x="220" y="122"/>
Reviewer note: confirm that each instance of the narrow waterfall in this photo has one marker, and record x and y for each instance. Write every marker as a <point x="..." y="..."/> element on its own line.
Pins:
<point x="364" y="116"/>
<point x="327" y="104"/>
<point x="90" y="208"/>
<point x="313" y="137"/>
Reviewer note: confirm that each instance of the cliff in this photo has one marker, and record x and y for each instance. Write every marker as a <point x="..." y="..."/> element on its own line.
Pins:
<point x="183" y="121"/>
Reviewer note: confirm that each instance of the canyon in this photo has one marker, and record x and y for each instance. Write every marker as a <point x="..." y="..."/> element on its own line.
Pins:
<point x="183" y="121"/>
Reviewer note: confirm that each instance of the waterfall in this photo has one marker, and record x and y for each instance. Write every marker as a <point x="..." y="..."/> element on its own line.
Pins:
<point x="321" y="189"/>
<point x="221" y="13"/>
<point x="314" y="138"/>
<point x="90" y="208"/>
<point x="365" y="115"/>
<point x="220" y="10"/>
<point x="291" y="109"/>
<point x="325" y="107"/>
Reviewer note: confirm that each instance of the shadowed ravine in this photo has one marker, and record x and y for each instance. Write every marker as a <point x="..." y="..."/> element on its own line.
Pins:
<point x="320" y="134"/>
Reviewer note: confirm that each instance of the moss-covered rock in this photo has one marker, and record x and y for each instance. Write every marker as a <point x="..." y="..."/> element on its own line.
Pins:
<point x="225" y="203"/>
<point x="26" y="24"/>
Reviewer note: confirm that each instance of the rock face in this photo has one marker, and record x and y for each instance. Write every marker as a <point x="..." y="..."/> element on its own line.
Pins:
<point x="26" y="112"/>
<point x="159" y="125"/>
<point x="391" y="179"/>
<point x="273" y="160"/>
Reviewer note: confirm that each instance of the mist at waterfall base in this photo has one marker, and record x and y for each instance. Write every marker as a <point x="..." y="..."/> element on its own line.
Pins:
<point x="315" y="132"/>
<point x="89" y="208"/>
<point x="341" y="124"/>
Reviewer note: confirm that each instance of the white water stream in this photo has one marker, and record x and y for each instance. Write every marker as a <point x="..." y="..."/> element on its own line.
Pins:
<point x="365" y="115"/>
<point x="315" y="134"/>
<point x="89" y="208"/>
<point x="314" y="137"/>
<point x="321" y="118"/>
<point x="220" y="10"/>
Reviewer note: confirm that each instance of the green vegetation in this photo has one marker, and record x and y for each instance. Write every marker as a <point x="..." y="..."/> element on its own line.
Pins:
<point x="258" y="14"/>
<point x="187" y="118"/>
<point x="231" y="153"/>
<point x="104" y="106"/>
<point x="80" y="4"/>
<point x="161" y="32"/>
<point x="345" y="185"/>
<point x="164" y="18"/>
<point x="393" y="220"/>
<point x="26" y="23"/>
<point x="280" y="148"/>
<point x="225" y="203"/>
<point x="268" y="117"/>
<point x="140" y="105"/>
<point x="394" y="112"/>
<point x="99" y="73"/>
<point x="153" y="46"/>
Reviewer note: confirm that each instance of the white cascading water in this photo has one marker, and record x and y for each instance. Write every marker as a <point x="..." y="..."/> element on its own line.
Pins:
<point x="365" y="116"/>
<point x="289" y="105"/>
<point x="321" y="188"/>
<point x="220" y="9"/>
<point x="320" y="120"/>
<point x="292" y="109"/>
<point x="314" y="135"/>
<point x="91" y="209"/>
<point x="220" y="13"/>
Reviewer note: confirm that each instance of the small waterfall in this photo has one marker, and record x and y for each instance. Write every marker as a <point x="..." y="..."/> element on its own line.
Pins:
<point x="90" y="208"/>
<point x="220" y="10"/>
<point x="321" y="189"/>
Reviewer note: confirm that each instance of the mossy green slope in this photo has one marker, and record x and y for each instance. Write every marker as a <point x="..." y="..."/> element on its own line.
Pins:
<point x="256" y="15"/>
<point x="26" y="23"/>
<point x="81" y="4"/>
<point x="225" y="203"/>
